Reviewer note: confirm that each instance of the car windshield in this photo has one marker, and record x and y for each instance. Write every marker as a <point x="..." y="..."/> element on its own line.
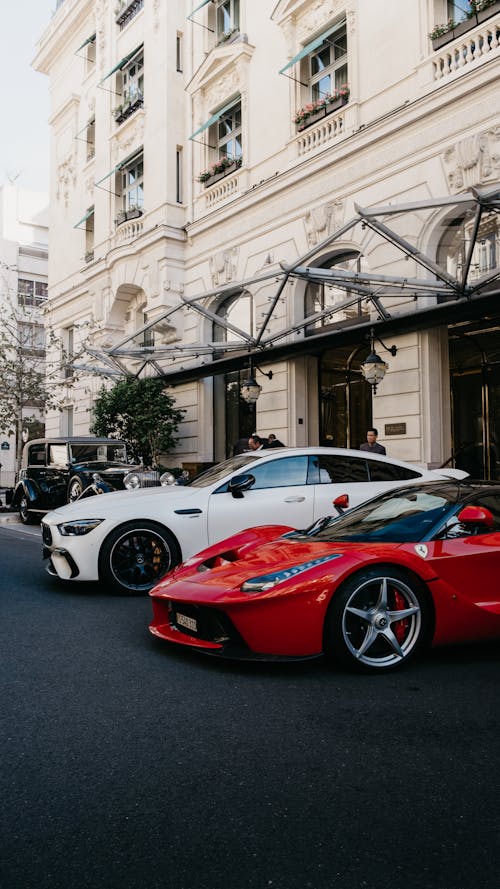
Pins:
<point x="228" y="467"/>
<point x="98" y="453"/>
<point x="403" y="516"/>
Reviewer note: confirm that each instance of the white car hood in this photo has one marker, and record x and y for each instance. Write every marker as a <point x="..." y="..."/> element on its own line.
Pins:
<point x="127" y="504"/>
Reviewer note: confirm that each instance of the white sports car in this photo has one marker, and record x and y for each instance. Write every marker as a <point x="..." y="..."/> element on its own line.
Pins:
<point x="129" y="540"/>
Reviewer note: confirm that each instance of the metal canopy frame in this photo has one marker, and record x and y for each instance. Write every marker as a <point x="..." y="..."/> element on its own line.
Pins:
<point x="376" y="291"/>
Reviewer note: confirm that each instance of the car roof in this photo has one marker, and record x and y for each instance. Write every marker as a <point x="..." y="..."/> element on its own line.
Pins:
<point x="76" y="439"/>
<point x="345" y="452"/>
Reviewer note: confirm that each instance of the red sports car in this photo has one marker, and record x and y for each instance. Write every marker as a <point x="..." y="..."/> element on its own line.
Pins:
<point x="417" y="565"/>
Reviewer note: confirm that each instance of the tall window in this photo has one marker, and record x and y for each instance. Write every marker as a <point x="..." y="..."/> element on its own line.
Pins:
<point x="178" y="175"/>
<point x="89" y="236"/>
<point x="31" y="293"/>
<point x="178" y="53"/>
<point x="327" y="65"/>
<point x="90" y="138"/>
<point x="228" y="18"/>
<point x="456" y="10"/>
<point x="130" y="84"/>
<point x="69" y="337"/>
<point x="229" y="142"/>
<point x="454" y="246"/>
<point x="90" y="54"/>
<point x="133" y="185"/>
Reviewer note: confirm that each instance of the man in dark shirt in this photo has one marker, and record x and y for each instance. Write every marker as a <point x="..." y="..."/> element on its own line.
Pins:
<point x="371" y="444"/>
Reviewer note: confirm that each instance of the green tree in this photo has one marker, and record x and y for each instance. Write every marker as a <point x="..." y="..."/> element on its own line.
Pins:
<point x="142" y="413"/>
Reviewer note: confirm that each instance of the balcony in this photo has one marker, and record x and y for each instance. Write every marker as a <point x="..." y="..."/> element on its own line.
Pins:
<point x="126" y="11"/>
<point x="463" y="52"/>
<point x="122" y="112"/>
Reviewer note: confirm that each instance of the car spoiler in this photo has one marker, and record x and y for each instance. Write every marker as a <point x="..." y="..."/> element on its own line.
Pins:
<point x="453" y="473"/>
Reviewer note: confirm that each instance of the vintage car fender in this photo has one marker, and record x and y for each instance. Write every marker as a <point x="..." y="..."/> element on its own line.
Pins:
<point x="25" y="486"/>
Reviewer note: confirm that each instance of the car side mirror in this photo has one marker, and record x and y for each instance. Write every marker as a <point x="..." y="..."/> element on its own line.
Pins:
<point x="476" y="515"/>
<point x="341" y="502"/>
<point x="240" y="483"/>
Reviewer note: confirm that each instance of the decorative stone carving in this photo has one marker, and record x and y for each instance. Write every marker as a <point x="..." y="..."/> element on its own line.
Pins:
<point x="223" y="88"/>
<point x="473" y="161"/>
<point x="322" y="221"/>
<point x="156" y="14"/>
<point x="66" y="178"/>
<point x="223" y="266"/>
<point x="100" y="19"/>
<point x="128" y="138"/>
<point x="317" y="15"/>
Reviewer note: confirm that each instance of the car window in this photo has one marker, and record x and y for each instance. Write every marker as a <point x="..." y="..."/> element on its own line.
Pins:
<point x="390" y="472"/>
<point x="36" y="456"/>
<point x="334" y="469"/>
<point x="289" y="471"/>
<point x="58" y="454"/>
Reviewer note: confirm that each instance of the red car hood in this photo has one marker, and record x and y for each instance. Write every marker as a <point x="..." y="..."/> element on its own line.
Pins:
<point x="218" y="577"/>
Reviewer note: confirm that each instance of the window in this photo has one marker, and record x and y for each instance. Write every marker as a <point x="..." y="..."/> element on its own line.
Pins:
<point x="234" y="418"/>
<point x="89" y="236"/>
<point x="90" y="139"/>
<point x="31" y="293"/>
<point x="321" y="297"/>
<point x="31" y="337"/>
<point x="36" y="456"/>
<point x="68" y="420"/>
<point x="132" y="187"/>
<point x="228" y="19"/>
<point x="455" y="11"/>
<point x="70" y="353"/>
<point x="178" y="175"/>
<point x="228" y="142"/>
<point x="90" y="54"/>
<point x="327" y="65"/>
<point x="130" y="84"/>
<point x="388" y="472"/>
<point x="178" y="53"/>
<point x="330" y="470"/>
<point x="287" y="472"/>
<point x="58" y="455"/>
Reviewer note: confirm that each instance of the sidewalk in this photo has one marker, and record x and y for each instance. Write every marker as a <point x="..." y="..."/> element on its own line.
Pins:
<point x="6" y="515"/>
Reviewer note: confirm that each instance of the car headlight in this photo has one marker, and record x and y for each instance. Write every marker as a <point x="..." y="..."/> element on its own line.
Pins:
<point x="167" y="479"/>
<point x="268" y="581"/>
<point x="132" y="481"/>
<point x="77" y="528"/>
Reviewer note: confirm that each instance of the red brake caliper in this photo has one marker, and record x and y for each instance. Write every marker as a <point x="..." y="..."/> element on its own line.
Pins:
<point x="399" y="627"/>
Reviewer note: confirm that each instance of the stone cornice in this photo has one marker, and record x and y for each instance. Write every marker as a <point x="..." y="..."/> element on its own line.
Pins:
<point x="219" y="60"/>
<point x="65" y="24"/>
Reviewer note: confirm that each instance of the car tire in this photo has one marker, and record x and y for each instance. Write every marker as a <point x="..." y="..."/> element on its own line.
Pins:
<point x="136" y="555"/>
<point x="25" y="513"/>
<point x="362" y="630"/>
<point x="75" y="488"/>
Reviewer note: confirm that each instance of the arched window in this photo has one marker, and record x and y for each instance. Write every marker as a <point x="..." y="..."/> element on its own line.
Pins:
<point x="345" y="398"/>
<point x="320" y="297"/>
<point x="454" y="246"/>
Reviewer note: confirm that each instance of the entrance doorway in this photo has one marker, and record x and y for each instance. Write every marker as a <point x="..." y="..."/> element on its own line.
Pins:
<point x="475" y="393"/>
<point x="345" y="398"/>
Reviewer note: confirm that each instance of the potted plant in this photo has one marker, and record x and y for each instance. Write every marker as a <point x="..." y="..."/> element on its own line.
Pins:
<point x="442" y="34"/>
<point x="220" y="168"/>
<point x="485" y="8"/>
<point x="132" y="212"/>
<point x="314" y="111"/>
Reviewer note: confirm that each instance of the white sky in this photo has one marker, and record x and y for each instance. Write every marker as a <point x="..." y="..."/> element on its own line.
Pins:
<point x="24" y="95"/>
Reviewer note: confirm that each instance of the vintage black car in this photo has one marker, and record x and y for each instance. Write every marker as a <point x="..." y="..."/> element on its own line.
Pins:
<point x="55" y="471"/>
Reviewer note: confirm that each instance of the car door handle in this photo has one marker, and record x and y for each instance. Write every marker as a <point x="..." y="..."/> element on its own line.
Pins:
<point x="294" y="499"/>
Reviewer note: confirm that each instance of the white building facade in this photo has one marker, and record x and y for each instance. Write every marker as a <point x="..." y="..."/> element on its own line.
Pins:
<point x="226" y="177"/>
<point x="23" y="292"/>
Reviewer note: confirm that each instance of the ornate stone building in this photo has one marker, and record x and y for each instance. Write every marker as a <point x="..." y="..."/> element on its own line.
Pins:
<point x="253" y="188"/>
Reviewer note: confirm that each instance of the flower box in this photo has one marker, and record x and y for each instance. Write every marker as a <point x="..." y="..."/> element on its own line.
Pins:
<point x="123" y="112"/>
<point x="322" y="112"/>
<point x="492" y="9"/>
<point x="220" y="170"/>
<point x="126" y="11"/>
<point x="125" y="215"/>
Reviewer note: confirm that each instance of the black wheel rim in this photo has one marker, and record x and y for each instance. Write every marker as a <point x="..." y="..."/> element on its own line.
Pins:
<point x="139" y="558"/>
<point x="381" y="622"/>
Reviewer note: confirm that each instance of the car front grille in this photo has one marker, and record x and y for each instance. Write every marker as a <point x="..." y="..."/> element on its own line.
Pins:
<point x="46" y="534"/>
<point x="212" y="625"/>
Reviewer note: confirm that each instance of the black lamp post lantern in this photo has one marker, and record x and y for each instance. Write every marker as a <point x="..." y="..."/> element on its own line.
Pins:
<point x="374" y="368"/>
<point x="250" y="389"/>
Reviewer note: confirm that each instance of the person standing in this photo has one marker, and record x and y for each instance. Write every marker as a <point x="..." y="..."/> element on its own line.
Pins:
<point x="273" y="442"/>
<point x="371" y="444"/>
<point x="255" y="443"/>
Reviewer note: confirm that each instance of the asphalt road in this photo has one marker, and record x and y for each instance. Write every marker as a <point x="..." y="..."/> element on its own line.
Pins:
<point x="128" y="764"/>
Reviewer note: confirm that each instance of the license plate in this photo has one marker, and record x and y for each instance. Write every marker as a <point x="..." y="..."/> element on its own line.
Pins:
<point x="189" y="622"/>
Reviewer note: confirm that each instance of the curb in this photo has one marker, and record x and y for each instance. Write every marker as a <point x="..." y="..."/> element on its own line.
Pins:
<point x="9" y="517"/>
